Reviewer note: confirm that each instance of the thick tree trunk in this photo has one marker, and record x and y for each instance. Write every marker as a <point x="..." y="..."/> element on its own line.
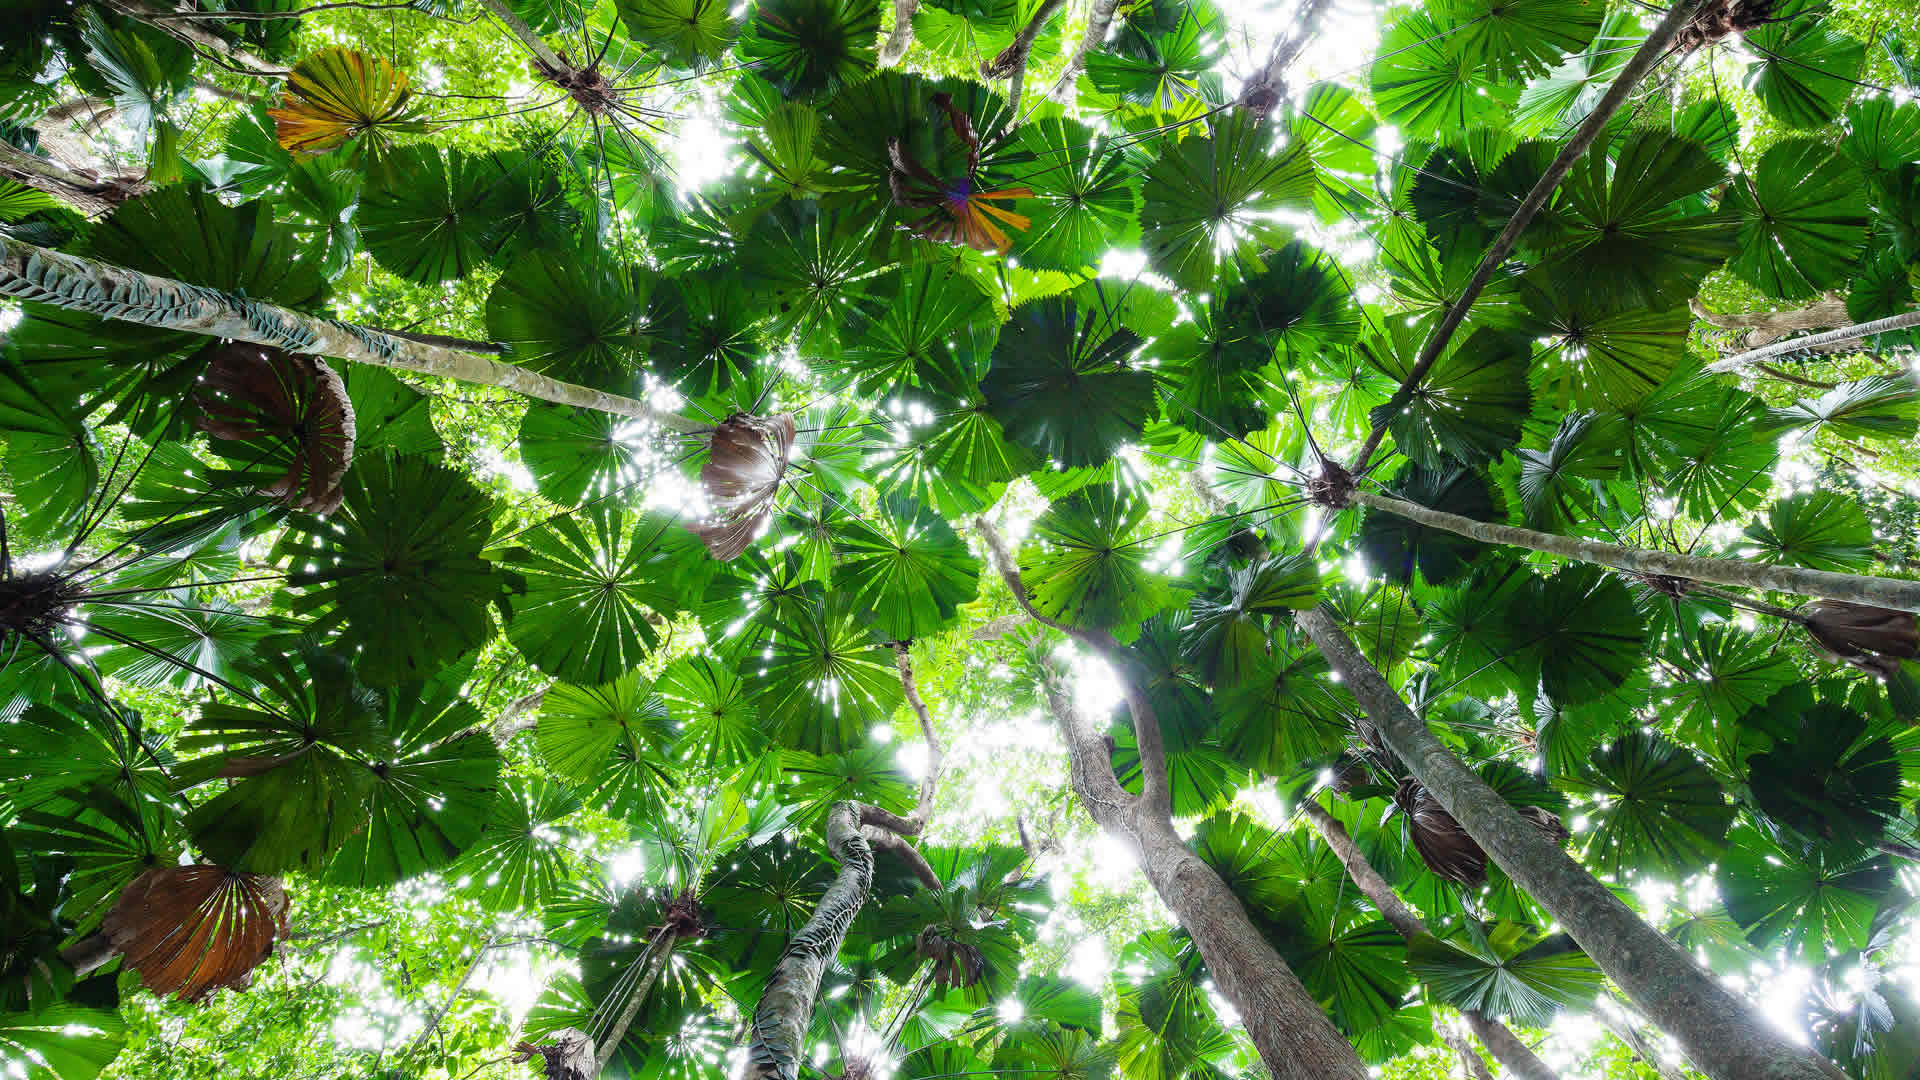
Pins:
<point x="36" y="274"/>
<point x="1820" y="342"/>
<point x="1851" y="588"/>
<point x="1726" y="1038"/>
<point x="1290" y="1031"/>
<point x="1513" y="1055"/>
<point x="86" y="193"/>
<point x="1295" y="1039"/>
<point x="659" y="955"/>
<point x="785" y="1011"/>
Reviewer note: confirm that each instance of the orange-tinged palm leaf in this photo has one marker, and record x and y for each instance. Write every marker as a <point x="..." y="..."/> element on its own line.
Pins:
<point x="339" y="94"/>
<point x="191" y="930"/>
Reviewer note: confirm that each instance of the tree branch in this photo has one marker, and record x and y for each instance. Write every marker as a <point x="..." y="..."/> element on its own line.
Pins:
<point x="1766" y="327"/>
<point x="1099" y="18"/>
<point x="28" y="272"/>
<point x="1643" y="61"/>
<point x="936" y="750"/>
<point x="1012" y="60"/>
<point x="900" y="39"/>
<point x="1816" y="341"/>
<point x="1269" y="85"/>
<point x="884" y="839"/>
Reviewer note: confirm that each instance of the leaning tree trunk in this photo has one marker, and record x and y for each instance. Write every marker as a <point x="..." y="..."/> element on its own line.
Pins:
<point x="41" y="276"/>
<point x="1288" y="1028"/>
<point x="1850" y="588"/>
<point x="1504" y="1045"/>
<point x="1099" y="18"/>
<point x="785" y="1011"/>
<point x="1290" y="1031"/>
<point x="1295" y="1039"/>
<point x="1724" y="1036"/>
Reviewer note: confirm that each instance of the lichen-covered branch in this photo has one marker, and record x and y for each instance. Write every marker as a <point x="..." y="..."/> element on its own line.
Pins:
<point x="1895" y="593"/>
<point x="1818" y="342"/>
<point x="35" y="274"/>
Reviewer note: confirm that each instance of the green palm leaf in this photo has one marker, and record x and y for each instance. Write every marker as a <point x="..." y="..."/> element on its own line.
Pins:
<point x="397" y="570"/>
<point x="1208" y="201"/>
<point x="1660" y="810"/>
<point x="1805" y="213"/>
<point x="1060" y="382"/>
<point x="594" y="582"/>
<point x="906" y="566"/>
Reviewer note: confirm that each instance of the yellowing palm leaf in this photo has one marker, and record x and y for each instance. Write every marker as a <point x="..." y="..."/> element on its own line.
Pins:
<point x="337" y="95"/>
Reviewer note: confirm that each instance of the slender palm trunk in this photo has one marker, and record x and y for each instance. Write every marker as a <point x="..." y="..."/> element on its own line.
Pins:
<point x="1292" y="1034"/>
<point x="659" y="955"/>
<point x="1852" y="588"/>
<point x="786" y="1006"/>
<point x="1724" y="1035"/>
<point x="1638" y="66"/>
<point x="36" y="274"/>
<point x="1504" y="1045"/>
<point x="532" y="41"/>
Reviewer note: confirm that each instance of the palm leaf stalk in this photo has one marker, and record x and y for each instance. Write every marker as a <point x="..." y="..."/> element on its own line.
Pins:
<point x="1723" y="1035"/>
<point x="525" y="35"/>
<point x="1858" y="589"/>
<point x="1502" y="1043"/>
<point x="35" y="274"/>
<point x="1294" y="1037"/>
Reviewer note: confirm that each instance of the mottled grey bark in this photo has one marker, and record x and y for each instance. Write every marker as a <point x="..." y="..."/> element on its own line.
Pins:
<point x="1099" y="18"/>
<point x="785" y="1011"/>
<point x="1637" y="67"/>
<point x="900" y="38"/>
<point x="1724" y="1035"/>
<point x="1820" y="342"/>
<point x="1470" y="1060"/>
<point x="1292" y="1034"/>
<point x="936" y="750"/>
<point x="1629" y="1033"/>
<point x="1514" y="1055"/>
<point x="36" y="274"/>
<point x="1851" y="588"/>
<point x="1766" y="327"/>
<point x="198" y="38"/>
